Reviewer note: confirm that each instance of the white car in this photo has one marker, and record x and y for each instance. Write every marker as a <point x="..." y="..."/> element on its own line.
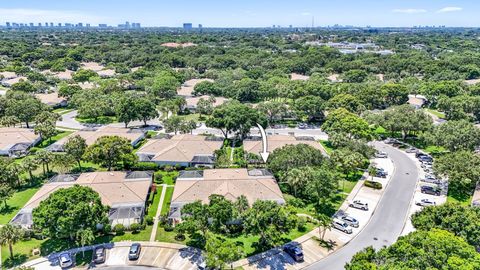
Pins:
<point x="359" y="205"/>
<point x="341" y="226"/>
<point x="65" y="260"/>
<point x="425" y="202"/>
<point x="381" y="154"/>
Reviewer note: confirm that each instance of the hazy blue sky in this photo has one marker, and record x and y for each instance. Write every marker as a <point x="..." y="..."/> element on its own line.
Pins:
<point x="238" y="13"/>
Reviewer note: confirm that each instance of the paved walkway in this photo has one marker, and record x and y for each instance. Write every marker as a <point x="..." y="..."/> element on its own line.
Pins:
<point x="159" y="212"/>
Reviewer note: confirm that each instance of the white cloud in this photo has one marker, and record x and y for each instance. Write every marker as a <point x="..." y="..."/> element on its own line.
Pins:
<point x="449" y="9"/>
<point x="306" y="14"/>
<point x="55" y="16"/>
<point x="410" y="10"/>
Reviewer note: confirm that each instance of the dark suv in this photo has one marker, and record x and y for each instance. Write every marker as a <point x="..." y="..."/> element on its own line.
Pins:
<point x="430" y="190"/>
<point x="134" y="252"/>
<point x="295" y="251"/>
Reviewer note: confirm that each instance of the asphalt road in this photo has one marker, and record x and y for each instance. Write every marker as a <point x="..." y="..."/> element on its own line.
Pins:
<point x="388" y="219"/>
<point x="130" y="268"/>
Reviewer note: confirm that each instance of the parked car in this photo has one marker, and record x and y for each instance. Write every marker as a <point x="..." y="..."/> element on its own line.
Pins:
<point x="391" y="141"/>
<point x="430" y="190"/>
<point x="381" y="154"/>
<point x="302" y="126"/>
<point x="295" y="251"/>
<point x="430" y="180"/>
<point x="134" y="252"/>
<point x="99" y="255"/>
<point x="411" y="150"/>
<point x="381" y="174"/>
<point x="65" y="260"/>
<point x="359" y="205"/>
<point x="425" y="202"/>
<point x="350" y="221"/>
<point x="341" y="226"/>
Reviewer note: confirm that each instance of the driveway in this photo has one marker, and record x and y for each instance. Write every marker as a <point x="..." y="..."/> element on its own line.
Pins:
<point x="390" y="215"/>
<point x="68" y="121"/>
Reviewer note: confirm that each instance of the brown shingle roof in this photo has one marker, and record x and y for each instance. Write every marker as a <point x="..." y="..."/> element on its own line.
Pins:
<point x="187" y="88"/>
<point x="181" y="148"/>
<point x="11" y="136"/>
<point x="277" y="141"/>
<point x="230" y="183"/>
<point x="113" y="188"/>
<point x="91" y="136"/>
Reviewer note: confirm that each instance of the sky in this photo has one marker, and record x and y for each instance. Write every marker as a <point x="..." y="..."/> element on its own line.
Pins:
<point x="245" y="13"/>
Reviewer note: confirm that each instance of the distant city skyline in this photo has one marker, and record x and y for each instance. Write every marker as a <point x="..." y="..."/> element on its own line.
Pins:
<point x="245" y="13"/>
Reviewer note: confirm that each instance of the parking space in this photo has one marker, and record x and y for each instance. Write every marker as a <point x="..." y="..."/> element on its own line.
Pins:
<point x="426" y="179"/>
<point x="165" y="256"/>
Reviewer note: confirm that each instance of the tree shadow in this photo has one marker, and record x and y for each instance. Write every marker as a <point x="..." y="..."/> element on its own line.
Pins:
<point x="16" y="260"/>
<point x="328" y="244"/>
<point x="7" y="209"/>
<point x="54" y="245"/>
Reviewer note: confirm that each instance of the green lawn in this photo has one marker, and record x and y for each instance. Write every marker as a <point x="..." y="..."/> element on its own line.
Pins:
<point x="459" y="198"/>
<point x="167" y="177"/>
<point x="167" y="200"/>
<point x="100" y="120"/>
<point x="436" y="113"/>
<point x="327" y="146"/>
<point x="194" y="116"/>
<point x="45" y="143"/>
<point x="152" y="209"/>
<point x="15" y="203"/>
<point x="62" y="110"/>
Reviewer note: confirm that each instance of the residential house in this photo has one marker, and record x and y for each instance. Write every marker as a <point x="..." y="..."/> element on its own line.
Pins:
<point x="184" y="150"/>
<point x="126" y="194"/>
<point x="15" y="142"/>
<point x="191" y="186"/>
<point x="254" y="145"/>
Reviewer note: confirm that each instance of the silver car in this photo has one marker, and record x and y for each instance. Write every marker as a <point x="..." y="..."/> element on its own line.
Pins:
<point x="65" y="260"/>
<point x="341" y="226"/>
<point x="359" y="205"/>
<point x="425" y="202"/>
<point x="350" y="221"/>
<point x="381" y="154"/>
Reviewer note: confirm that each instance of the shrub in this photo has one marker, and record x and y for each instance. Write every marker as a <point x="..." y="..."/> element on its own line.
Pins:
<point x="135" y="227"/>
<point x="145" y="166"/>
<point x="295" y="202"/>
<point x="373" y="184"/>
<point x="149" y="220"/>
<point x="119" y="229"/>
<point x="302" y="224"/>
<point x="158" y="177"/>
<point x="180" y="237"/>
<point x="168" y="168"/>
<point x="168" y="228"/>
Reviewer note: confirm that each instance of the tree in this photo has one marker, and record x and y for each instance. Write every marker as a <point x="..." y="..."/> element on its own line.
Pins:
<point x="323" y="185"/>
<point x="458" y="219"/>
<point x="44" y="157"/>
<point x="145" y="109"/>
<point x="462" y="168"/>
<point x="235" y="117"/>
<point x="69" y="210"/>
<point x="63" y="162"/>
<point x="23" y="106"/>
<point x="173" y="124"/>
<point x="109" y="150"/>
<point x="195" y="221"/>
<point x="289" y="157"/>
<point x="272" y="110"/>
<point x="220" y="252"/>
<point x="24" y="86"/>
<point x="205" y="106"/>
<point x="269" y="220"/>
<point x="46" y="123"/>
<point x="125" y="108"/>
<point x="10" y="235"/>
<point x="309" y="108"/>
<point x="456" y="135"/>
<point x="76" y="147"/>
<point x="395" y="94"/>
<point x="188" y="126"/>
<point x="84" y="75"/>
<point x="347" y="101"/>
<point x="162" y="86"/>
<point x="68" y="90"/>
<point x="347" y="161"/>
<point x="297" y="178"/>
<point x="355" y="76"/>
<point x="30" y="164"/>
<point x="6" y="192"/>
<point x="220" y="211"/>
<point x="349" y="124"/>
<point x="324" y="223"/>
<point x="434" y="249"/>
<point x="84" y="237"/>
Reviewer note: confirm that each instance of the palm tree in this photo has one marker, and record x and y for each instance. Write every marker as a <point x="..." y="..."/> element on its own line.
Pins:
<point x="10" y="235"/>
<point x="324" y="223"/>
<point x="85" y="237"/>
<point x="44" y="157"/>
<point x="296" y="178"/>
<point x="30" y="164"/>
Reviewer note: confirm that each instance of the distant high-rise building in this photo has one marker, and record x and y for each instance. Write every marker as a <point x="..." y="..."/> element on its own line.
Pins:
<point x="31" y="24"/>
<point x="88" y="25"/>
<point x="8" y="24"/>
<point x="127" y="24"/>
<point x="51" y="24"/>
<point x="200" y="26"/>
<point x="39" y="24"/>
<point x="102" y="25"/>
<point x="79" y="24"/>
<point x="59" y="24"/>
<point x="187" y="26"/>
<point x="46" y="24"/>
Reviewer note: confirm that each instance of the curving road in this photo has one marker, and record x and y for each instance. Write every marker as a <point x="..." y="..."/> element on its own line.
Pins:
<point x="389" y="217"/>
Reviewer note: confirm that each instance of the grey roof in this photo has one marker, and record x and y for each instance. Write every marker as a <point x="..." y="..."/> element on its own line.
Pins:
<point x="190" y="174"/>
<point x="304" y="138"/>
<point x="23" y="218"/>
<point x="203" y="159"/>
<point x="64" y="178"/>
<point x="139" y="175"/>
<point x="260" y="172"/>
<point x="125" y="212"/>
<point x="55" y="147"/>
<point x="143" y="157"/>
<point x="20" y="147"/>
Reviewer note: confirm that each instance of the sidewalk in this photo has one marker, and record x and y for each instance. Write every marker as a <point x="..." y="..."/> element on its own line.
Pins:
<point x="159" y="211"/>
